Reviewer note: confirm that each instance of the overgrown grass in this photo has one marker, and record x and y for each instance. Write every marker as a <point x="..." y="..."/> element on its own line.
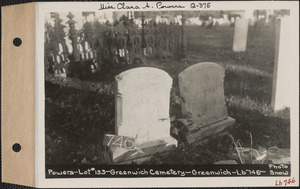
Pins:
<point x="80" y="112"/>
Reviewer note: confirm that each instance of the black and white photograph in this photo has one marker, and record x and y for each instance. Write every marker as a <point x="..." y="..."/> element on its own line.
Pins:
<point x="149" y="94"/>
<point x="168" y="92"/>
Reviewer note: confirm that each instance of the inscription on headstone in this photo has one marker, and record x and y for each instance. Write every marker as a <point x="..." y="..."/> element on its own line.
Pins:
<point x="142" y="113"/>
<point x="202" y="92"/>
<point x="142" y="99"/>
<point x="201" y="87"/>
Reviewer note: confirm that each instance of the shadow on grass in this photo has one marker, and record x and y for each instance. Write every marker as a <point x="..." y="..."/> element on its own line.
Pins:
<point x="267" y="128"/>
<point x="244" y="84"/>
<point x="266" y="131"/>
<point x="76" y="121"/>
<point x="79" y="113"/>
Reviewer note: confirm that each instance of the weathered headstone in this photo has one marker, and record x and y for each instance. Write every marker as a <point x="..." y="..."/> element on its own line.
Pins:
<point x="261" y="23"/>
<point x="217" y="25"/>
<point x="284" y="63"/>
<point x="202" y="92"/>
<point x="232" y="20"/>
<point x="240" y="35"/>
<point x="272" y="22"/>
<point x="142" y="114"/>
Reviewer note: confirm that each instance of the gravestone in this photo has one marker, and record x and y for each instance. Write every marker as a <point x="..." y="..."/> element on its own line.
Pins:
<point x="142" y="125"/>
<point x="284" y="64"/>
<point x="202" y="93"/>
<point x="240" y="35"/>
<point x="217" y="25"/>
<point x="261" y="23"/>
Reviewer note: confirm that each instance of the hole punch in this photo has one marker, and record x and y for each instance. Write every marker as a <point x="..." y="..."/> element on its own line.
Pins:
<point x="17" y="42"/>
<point x="16" y="147"/>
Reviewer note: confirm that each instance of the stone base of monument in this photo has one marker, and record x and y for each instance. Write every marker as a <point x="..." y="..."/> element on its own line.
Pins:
<point x="202" y="133"/>
<point x="144" y="160"/>
<point x="124" y="154"/>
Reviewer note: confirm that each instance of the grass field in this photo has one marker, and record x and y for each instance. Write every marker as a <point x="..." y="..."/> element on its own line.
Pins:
<point x="80" y="112"/>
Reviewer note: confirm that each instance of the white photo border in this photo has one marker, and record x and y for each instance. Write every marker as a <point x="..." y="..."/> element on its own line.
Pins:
<point x="41" y="181"/>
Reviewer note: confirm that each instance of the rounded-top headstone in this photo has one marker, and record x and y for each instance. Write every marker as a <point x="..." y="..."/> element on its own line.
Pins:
<point x="142" y="104"/>
<point x="142" y="76"/>
<point x="201" y="89"/>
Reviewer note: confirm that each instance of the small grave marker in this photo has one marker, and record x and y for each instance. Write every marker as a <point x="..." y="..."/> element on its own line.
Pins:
<point x="202" y="92"/>
<point x="240" y="35"/>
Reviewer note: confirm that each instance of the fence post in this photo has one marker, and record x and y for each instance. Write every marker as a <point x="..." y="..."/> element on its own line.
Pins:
<point x="73" y="37"/>
<point x="183" y="39"/>
<point x="57" y="46"/>
<point x="143" y="32"/>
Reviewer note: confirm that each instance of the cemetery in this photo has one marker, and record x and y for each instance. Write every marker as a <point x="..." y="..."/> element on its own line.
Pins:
<point x="138" y="89"/>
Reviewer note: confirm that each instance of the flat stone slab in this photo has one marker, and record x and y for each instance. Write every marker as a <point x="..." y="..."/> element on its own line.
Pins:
<point x="201" y="133"/>
<point x="121" y="151"/>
